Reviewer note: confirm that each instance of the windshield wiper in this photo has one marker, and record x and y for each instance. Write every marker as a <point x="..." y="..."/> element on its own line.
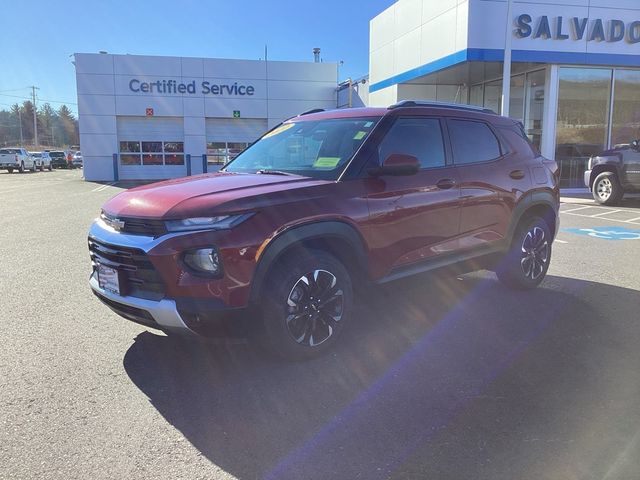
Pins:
<point x="266" y="171"/>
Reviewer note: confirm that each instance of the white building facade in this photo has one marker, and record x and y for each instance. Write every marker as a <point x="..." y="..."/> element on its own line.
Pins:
<point x="143" y="117"/>
<point x="575" y="72"/>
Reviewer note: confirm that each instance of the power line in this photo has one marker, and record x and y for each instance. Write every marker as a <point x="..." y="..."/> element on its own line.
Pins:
<point x="42" y="99"/>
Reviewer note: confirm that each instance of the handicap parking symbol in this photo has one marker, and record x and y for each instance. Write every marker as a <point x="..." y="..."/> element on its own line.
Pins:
<point x="607" y="233"/>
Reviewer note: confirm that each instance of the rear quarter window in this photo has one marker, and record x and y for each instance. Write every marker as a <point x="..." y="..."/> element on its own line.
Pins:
<point x="472" y="142"/>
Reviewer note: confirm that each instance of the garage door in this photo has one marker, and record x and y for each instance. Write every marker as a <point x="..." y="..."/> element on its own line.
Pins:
<point x="151" y="148"/>
<point x="227" y="137"/>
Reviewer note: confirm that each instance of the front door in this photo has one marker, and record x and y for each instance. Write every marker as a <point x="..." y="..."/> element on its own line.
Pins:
<point x="413" y="218"/>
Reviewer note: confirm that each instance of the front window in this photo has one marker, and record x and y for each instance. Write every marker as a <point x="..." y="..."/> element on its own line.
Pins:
<point x="312" y="148"/>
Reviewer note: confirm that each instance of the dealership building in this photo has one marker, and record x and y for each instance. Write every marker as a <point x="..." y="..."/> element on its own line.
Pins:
<point x="575" y="71"/>
<point x="144" y="117"/>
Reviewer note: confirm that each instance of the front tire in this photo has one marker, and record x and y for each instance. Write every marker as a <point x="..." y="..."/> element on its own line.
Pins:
<point x="21" y="169"/>
<point x="10" y="170"/>
<point x="527" y="262"/>
<point x="307" y="301"/>
<point x="606" y="189"/>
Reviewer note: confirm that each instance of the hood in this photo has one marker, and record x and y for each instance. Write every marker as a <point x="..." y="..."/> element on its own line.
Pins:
<point x="200" y="195"/>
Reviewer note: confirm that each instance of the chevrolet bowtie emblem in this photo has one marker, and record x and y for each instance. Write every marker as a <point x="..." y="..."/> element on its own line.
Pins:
<point x="116" y="223"/>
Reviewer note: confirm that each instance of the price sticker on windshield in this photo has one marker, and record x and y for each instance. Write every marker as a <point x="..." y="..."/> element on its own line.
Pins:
<point x="326" y="162"/>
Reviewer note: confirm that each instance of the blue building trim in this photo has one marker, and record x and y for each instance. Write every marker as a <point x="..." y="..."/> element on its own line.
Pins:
<point x="496" y="55"/>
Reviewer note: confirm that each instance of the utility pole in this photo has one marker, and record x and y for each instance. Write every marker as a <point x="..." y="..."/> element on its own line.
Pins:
<point x="20" y="122"/>
<point x="35" y="117"/>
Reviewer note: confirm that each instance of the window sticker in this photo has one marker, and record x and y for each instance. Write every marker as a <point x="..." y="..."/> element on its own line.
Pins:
<point x="326" y="162"/>
<point x="368" y="124"/>
<point x="280" y="129"/>
<point x="359" y="135"/>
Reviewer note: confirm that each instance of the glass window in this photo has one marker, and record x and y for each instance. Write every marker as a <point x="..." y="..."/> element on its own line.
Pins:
<point x="420" y="137"/>
<point x="235" y="148"/>
<point x="535" y="83"/>
<point x="476" y="95"/>
<point x="626" y="107"/>
<point x="130" y="147"/>
<point x="472" y="142"/>
<point x="130" y="159"/>
<point x="583" y="117"/>
<point x="216" y="153"/>
<point x="493" y="96"/>
<point x="173" y="159"/>
<point x="151" y="159"/>
<point x="173" y="147"/>
<point x="516" y="101"/>
<point x="152" y="147"/>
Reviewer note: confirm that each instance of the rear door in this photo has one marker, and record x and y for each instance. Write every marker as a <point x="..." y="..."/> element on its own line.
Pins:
<point x="414" y="218"/>
<point x="492" y="178"/>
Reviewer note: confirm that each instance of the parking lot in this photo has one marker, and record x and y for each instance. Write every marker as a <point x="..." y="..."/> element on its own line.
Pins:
<point x="439" y="378"/>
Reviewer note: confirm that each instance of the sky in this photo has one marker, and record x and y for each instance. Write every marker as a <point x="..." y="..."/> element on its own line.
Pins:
<point x="38" y="43"/>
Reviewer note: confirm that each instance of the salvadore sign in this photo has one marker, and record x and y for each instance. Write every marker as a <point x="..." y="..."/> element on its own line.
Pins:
<point x="577" y="28"/>
<point x="191" y="88"/>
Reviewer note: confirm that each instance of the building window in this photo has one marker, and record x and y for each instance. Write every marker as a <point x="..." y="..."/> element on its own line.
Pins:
<point x="151" y="153"/>
<point x="219" y="153"/>
<point x="626" y="107"/>
<point x="583" y="118"/>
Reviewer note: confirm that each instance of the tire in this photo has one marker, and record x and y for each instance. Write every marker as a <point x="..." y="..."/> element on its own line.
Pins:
<point x="21" y="169"/>
<point x="606" y="189"/>
<point x="10" y="170"/>
<point x="526" y="263"/>
<point x="50" y="168"/>
<point x="307" y="301"/>
<point x="42" y="167"/>
<point x="34" y="167"/>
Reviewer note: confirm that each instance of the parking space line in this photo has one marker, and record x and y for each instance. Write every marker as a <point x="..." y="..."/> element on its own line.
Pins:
<point x="102" y="187"/>
<point x="576" y="209"/>
<point x="605" y="213"/>
<point x="560" y="241"/>
<point x="604" y="218"/>
<point x="632" y="220"/>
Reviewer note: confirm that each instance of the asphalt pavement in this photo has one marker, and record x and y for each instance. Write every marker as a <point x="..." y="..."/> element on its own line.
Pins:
<point x="439" y="377"/>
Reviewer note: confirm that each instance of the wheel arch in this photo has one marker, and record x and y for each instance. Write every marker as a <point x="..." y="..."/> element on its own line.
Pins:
<point x="537" y="204"/>
<point x="333" y="236"/>
<point x="601" y="168"/>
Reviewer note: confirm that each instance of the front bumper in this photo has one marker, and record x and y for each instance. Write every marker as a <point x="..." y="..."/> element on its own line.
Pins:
<point x="161" y="314"/>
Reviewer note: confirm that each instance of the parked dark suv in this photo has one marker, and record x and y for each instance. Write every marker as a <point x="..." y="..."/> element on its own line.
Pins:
<point x="613" y="173"/>
<point x="325" y="203"/>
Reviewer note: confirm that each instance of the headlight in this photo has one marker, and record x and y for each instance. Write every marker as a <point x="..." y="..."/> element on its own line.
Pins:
<point x="206" y="223"/>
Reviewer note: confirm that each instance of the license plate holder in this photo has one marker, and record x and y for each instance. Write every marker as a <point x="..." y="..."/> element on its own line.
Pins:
<point x="108" y="279"/>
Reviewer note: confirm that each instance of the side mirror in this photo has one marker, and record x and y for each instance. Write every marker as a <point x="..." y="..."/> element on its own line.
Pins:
<point x="635" y="144"/>
<point x="397" y="164"/>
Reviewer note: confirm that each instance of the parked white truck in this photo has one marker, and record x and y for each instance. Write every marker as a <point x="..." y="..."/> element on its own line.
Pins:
<point x="17" y="159"/>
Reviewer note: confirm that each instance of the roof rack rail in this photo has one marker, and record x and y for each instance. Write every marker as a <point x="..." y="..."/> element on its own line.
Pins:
<point x="308" y="112"/>
<point x="426" y="103"/>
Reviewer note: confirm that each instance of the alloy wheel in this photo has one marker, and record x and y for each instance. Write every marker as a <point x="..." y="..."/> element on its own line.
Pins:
<point x="535" y="253"/>
<point x="315" y="306"/>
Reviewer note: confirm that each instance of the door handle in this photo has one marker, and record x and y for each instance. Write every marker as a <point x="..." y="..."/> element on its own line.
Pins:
<point x="517" y="174"/>
<point x="445" y="184"/>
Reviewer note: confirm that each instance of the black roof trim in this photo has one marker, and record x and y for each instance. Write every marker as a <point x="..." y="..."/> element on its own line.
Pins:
<point x="424" y="103"/>
<point x="308" y="112"/>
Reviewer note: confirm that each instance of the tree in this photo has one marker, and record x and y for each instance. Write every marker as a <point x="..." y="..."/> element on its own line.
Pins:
<point x="68" y="125"/>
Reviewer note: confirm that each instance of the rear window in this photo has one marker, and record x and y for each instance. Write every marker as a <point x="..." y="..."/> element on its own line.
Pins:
<point x="56" y="154"/>
<point x="473" y="142"/>
<point x="10" y="150"/>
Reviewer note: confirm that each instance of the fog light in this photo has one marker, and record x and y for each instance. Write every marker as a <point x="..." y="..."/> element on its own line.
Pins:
<point x="204" y="260"/>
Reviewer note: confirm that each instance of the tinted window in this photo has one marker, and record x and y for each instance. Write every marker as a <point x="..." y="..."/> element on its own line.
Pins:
<point x="472" y="142"/>
<point x="420" y="137"/>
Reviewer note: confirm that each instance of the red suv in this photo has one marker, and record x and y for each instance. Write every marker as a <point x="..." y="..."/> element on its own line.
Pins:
<point x="280" y="238"/>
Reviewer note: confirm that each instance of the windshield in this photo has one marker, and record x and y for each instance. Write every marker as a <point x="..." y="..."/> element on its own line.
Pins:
<point x="312" y="148"/>
<point x="56" y="154"/>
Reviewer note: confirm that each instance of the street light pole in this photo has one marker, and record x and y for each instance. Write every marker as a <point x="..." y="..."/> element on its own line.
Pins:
<point x="20" y="123"/>
<point x="506" y="64"/>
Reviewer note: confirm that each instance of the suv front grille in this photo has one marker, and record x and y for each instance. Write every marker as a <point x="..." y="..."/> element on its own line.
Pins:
<point x="138" y="276"/>
<point x="135" y="226"/>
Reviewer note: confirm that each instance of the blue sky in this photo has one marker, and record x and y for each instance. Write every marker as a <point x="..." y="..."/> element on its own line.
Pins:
<point x="41" y="35"/>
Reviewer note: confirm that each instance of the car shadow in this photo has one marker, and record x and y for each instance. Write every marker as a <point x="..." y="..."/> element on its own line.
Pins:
<point x="436" y="378"/>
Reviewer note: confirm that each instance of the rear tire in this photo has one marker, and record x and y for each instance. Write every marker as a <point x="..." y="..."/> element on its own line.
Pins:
<point x="21" y="169"/>
<point x="526" y="263"/>
<point x="307" y="301"/>
<point x="50" y="168"/>
<point x="606" y="189"/>
<point x="10" y="170"/>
